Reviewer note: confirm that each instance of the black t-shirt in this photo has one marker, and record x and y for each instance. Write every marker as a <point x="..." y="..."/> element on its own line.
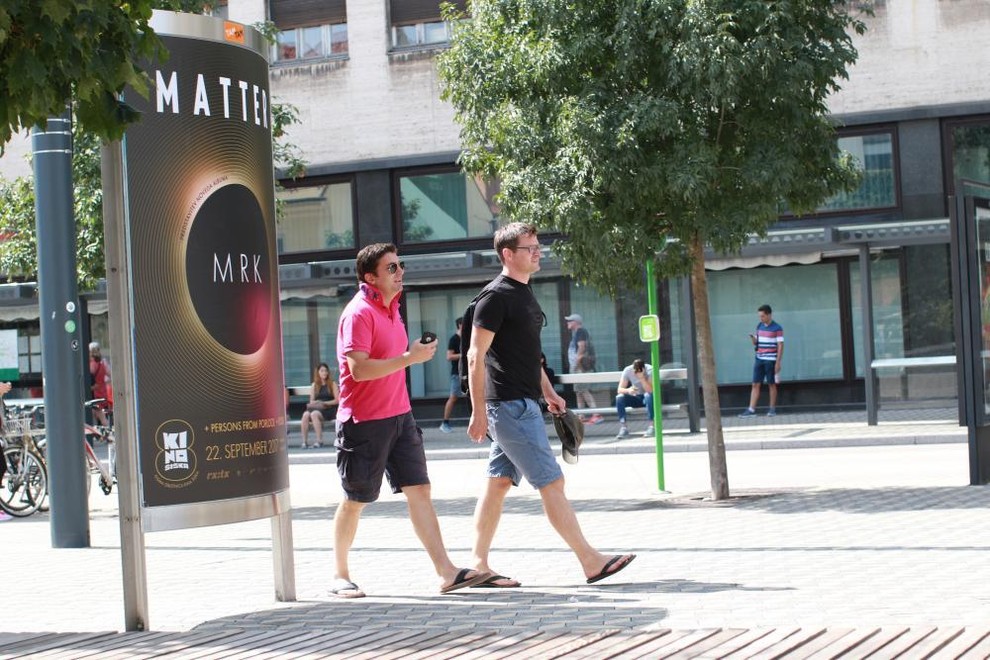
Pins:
<point x="454" y="345"/>
<point x="510" y="310"/>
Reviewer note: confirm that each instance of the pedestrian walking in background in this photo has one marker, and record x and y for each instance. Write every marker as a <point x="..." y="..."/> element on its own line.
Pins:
<point x="581" y="359"/>
<point x="454" y="357"/>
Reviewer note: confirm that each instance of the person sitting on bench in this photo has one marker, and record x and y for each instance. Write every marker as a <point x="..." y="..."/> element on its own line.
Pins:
<point x="635" y="391"/>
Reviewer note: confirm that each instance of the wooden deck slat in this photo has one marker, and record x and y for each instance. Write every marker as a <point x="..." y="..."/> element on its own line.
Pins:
<point x="963" y="643"/>
<point x="676" y="646"/>
<point x="445" y="646"/>
<point x="524" y="646"/>
<point x="818" y="647"/>
<point x="605" y="647"/>
<point x="698" y="649"/>
<point x="500" y="643"/>
<point x="274" y="644"/>
<point x="104" y="649"/>
<point x="735" y="643"/>
<point x="588" y="642"/>
<point x="649" y="646"/>
<point x="400" y="637"/>
<point x="979" y="650"/>
<point x="245" y="641"/>
<point x="219" y="645"/>
<point x="52" y="641"/>
<point x="788" y="644"/>
<point x="764" y="642"/>
<point x="844" y="645"/>
<point x="320" y="643"/>
<point x="544" y="648"/>
<point x="937" y="640"/>
<point x="903" y="642"/>
<point x="884" y="636"/>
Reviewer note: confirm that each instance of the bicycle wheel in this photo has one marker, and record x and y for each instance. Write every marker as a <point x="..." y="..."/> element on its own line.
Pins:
<point x="24" y="484"/>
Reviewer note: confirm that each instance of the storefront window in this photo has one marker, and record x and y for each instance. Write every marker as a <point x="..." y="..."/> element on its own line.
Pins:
<point x="310" y="323"/>
<point x="888" y="324"/>
<point x="436" y="310"/>
<point x="446" y="206"/>
<point x="805" y="301"/>
<point x="316" y="218"/>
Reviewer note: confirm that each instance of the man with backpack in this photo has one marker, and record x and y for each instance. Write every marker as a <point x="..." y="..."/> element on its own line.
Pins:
<point x="506" y="381"/>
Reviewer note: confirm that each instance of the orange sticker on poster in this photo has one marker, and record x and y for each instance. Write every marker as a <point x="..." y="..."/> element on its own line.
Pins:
<point x="233" y="32"/>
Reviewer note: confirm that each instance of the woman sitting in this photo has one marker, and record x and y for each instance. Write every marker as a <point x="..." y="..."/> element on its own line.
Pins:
<point x="323" y="396"/>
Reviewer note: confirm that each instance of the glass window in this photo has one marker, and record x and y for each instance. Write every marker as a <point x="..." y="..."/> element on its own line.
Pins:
<point x="312" y="42"/>
<point x="447" y="206"/>
<point x="404" y="35"/>
<point x="971" y="153"/>
<point x="888" y="326"/>
<point x="29" y="351"/>
<point x="338" y="38"/>
<point x="300" y="318"/>
<point x="437" y="310"/>
<point x="434" y="33"/>
<point x="285" y="45"/>
<point x="316" y="218"/>
<point x="598" y="314"/>
<point x="874" y="155"/>
<point x="805" y="302"/>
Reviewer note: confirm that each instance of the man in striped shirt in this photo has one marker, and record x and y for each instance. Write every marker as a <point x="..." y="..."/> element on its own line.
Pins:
<point x="768" y="341"/>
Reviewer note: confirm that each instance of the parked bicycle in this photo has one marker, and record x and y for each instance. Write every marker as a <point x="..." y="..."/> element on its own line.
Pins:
<point x="24" y="482"/>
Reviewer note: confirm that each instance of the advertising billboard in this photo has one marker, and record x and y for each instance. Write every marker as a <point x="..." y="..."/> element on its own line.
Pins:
<point x="199" y="210"/>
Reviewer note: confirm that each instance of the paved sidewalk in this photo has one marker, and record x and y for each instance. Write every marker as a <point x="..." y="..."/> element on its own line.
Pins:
<point x="813" y="539"/>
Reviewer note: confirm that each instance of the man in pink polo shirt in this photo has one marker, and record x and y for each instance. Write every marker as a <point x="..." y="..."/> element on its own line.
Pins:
<point x="376" y="433"/>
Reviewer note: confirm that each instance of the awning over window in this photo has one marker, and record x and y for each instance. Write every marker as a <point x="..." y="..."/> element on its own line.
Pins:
<point x="418" y="11"/>
<point x="288" y="14"/>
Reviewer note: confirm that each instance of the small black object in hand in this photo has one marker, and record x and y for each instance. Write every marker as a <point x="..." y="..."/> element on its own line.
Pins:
<point x="428" y="338"/>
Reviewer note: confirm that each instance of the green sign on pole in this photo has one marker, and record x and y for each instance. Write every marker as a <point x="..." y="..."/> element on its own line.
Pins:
<point x="649" y="328"/>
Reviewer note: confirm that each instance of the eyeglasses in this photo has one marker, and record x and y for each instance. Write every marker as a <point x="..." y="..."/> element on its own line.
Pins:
<point x="394" y="266"/>
<point x="533" y="249"/>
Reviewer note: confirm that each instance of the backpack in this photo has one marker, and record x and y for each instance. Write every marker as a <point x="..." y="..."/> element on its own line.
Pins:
<point x="467" y="325"/>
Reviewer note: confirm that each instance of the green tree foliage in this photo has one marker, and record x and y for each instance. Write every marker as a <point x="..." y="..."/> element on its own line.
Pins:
<point x="652" y="127"/>
<point x="18" y="247"/>
<point x="51" y="50"/>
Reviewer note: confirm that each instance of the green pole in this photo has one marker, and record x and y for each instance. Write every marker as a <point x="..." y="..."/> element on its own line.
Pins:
<point x="651" y="290"/>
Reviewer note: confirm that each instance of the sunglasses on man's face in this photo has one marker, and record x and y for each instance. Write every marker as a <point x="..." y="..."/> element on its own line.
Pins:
<point x="394" y="266"/>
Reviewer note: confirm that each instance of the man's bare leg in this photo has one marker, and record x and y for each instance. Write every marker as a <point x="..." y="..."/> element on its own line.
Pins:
<point x="427" y="527"/>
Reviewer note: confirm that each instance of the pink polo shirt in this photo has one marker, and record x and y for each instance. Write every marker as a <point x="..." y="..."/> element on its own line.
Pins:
<point x="366" y="325"/>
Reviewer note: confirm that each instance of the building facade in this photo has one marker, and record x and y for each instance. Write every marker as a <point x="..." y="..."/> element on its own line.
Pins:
<point x="381" y="149"/>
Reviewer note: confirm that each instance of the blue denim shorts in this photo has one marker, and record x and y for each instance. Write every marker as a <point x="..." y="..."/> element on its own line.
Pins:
<point x="455" y="385"/>
<point x="763" y="371"/>
<point x="520" y="446"/>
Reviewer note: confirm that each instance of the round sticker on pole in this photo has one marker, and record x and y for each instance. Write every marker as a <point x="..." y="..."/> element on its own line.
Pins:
<point x="649" y="328"/>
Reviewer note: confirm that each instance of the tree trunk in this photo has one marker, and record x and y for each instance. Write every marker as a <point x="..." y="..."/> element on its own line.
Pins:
<point x="709" y="383"/>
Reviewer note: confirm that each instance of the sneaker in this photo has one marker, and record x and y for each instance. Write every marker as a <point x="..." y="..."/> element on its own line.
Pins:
<point x="445" y="427"/>
<point x="749" y="412"/>
<point x="596" y="419"/>
<point x="772" y="412"/>
<point x="623" y="432"/>
<point x="649" y="431"/>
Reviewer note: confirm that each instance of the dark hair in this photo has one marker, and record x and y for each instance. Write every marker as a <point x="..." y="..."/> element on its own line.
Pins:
<point x="509" y="235"/>
<point x="369" y="256"/>
<point x="765" y="308"/>
<point x="638" y="365"/>
<point x="459" y="322"/>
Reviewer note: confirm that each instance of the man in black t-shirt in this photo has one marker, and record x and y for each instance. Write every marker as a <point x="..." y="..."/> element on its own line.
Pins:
<point x="454" y="357"/>
<point x="506" y="382"/>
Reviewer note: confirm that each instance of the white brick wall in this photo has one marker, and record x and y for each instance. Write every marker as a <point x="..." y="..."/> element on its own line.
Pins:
<point x="916" y="52"/>
<point x="369" y="106"/>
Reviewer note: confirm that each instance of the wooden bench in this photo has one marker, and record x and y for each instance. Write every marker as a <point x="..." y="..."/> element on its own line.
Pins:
<point x="612" y="378"/>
